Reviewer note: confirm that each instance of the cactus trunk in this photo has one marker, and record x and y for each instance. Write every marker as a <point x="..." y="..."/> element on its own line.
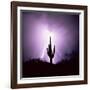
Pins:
<point x="51" y="60"/>
<point x="51" y="52"/>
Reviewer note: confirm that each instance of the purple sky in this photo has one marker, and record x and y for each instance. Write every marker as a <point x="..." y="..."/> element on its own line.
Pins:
<point x="36" y="28"/>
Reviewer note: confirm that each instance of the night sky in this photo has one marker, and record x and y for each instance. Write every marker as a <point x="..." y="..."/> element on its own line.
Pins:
<point x="38" y="26"/>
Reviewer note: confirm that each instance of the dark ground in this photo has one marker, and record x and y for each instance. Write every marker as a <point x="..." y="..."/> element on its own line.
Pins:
<point x="38" y="68"/>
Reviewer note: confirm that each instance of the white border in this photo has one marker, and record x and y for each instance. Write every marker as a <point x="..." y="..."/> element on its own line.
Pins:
<point x="57" y="78"/>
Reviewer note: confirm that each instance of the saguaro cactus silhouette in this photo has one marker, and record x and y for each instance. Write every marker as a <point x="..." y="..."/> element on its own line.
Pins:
<point x="50" y="52"/>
